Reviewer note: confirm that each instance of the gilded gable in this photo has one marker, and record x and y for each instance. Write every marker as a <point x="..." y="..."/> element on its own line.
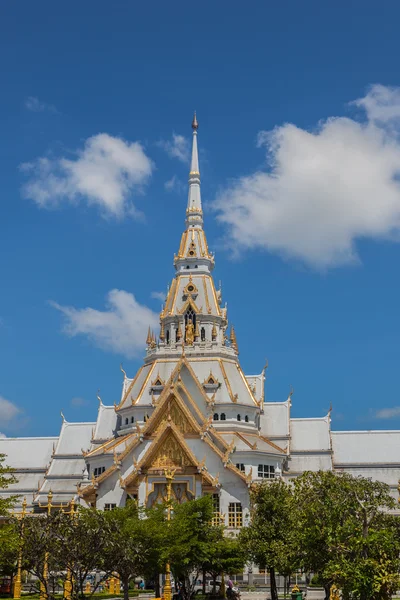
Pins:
<point x="171" y="454"/>
<point x="174" y="413"/>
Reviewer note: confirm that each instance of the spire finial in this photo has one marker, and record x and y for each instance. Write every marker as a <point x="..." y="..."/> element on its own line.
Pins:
<point x="195" y="124"/>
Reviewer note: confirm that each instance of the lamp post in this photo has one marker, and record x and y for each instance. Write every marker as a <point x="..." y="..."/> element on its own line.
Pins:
<point x="43" y="586"/>
<point x="169" y="476"/>
<point x="17" y="583"/>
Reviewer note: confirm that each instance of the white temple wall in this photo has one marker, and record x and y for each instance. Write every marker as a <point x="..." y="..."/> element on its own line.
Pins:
<point x="109" y="492"/>
<point x="299" y="463"/>
<point x="274" y="422"/>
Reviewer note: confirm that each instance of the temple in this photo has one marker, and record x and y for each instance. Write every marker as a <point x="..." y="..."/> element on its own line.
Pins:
<point x="191" y="408"/>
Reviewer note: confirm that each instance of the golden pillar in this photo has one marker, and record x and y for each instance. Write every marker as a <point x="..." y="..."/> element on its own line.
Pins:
<point x="169" y="476"/>
<point x="17" y="583"/>
<point x="68" y="578"/>
<point x="43" y="586"/>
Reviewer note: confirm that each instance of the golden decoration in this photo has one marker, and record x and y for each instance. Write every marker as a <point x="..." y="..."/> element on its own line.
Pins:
<point x="206" y="295"/>
<point x="179" y="332"/>
<point x="189" y="337"/>
<point x="214" y="332"/>
<point x="171" y="455"/>
<point x="233" y="340"/>
<point x="211" y="379"/>
<point x="192" y="250"/>
<point x="148" y="339"/>
<point x="190" y="289"/>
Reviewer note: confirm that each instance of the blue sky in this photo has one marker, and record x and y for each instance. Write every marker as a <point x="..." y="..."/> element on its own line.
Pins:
<point x="298" y="105"/>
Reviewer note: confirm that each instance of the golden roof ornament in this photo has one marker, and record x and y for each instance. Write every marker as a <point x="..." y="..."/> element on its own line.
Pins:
<point x="233" y="340"/>
<point x="195" y="124"/>
<point x="148" y="339"/>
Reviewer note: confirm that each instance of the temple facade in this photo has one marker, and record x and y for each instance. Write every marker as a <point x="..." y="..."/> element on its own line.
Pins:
<point x="192" y="409"/>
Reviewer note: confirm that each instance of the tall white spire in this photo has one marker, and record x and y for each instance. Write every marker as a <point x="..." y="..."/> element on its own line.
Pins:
<point x="194" y="212"/>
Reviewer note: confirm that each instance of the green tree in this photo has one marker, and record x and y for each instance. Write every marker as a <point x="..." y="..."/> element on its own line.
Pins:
<point x="40" y="545"/>
<point x="81" y="547"/>
<point x="225" y="555"/>
<point x="346" y="534"/>
<point x="270" y="536"/>
<point x="134" y="546"/>
<point x="9" y="539"/>
<point x="188" y="543"/>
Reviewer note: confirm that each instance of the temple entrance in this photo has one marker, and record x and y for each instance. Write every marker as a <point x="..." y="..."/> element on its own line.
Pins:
<point x="180" y="493"/>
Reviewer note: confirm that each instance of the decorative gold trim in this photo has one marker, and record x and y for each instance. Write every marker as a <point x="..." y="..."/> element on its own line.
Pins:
<point x="214" y="293"/>
<point x="171" y="292"/>
<point x="189" y="302"/>
<point x="206" y="295"/>
<point x="243" y="376"/>
<point x="211" y="379"/>
<point x="228" y="385"/>
<point x="146" y="379"/>
<point x="186" y="291"/>
<point x="129" y="388"/>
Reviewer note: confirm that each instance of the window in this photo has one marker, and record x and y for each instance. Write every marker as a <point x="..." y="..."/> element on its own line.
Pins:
<point x="223" y="417"/>
<point x="132" y="419"/>
<point x="126" y="421"/>
<point x="110" y="506"/>
<point x="216" y="417"/>
<point x="203" y="334"/>
<point x="246" y="419"/>
<point x="239" y="418"/>
<point x="216" y="520"/>
<point x="98" y="471"/>
<point x="240" y="466"/>
<point x="235" y="515"/>
<point x="266" y="471"/>
<point x="167" y="338"/>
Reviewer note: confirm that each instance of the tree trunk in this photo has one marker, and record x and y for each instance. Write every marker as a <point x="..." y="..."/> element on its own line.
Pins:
<point x="274" y="591"/>
<point x="327" y="589"/>
<point x="214" y="584"/>
<point x="125" y="583"/>
<point x="157" y="585"/>
<point x="204" y="582"/>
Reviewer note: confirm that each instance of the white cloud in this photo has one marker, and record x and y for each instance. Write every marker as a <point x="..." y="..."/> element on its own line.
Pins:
<point x="8" y="410"/>
<point x="77" y="401"/>
<point x="178" y="147"/>
<point x="174" y="185"/>
<point x="105" y="173"/>
<point x="35" y="105"/>
<point x="122" y="328"/>
<point x="2" y="435"/>
<point x="382" y="103"/>
<point x="322" y="190"/>
<point x="388" y="413"/>
<point x="159" y="296"/>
